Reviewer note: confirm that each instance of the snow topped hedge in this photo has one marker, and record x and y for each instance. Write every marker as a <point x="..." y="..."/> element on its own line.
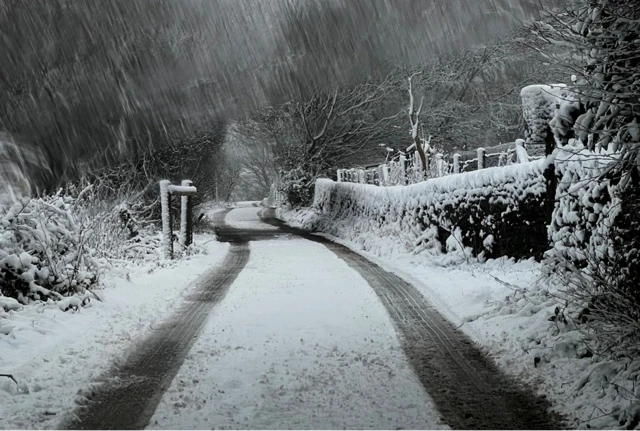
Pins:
<point x="491" y="212"/>
<point x="586" y="205"/>
<point x="542" y="104"/>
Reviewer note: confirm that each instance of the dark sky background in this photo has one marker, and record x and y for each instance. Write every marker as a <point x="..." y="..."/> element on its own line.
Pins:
<point x="88" y="82"/>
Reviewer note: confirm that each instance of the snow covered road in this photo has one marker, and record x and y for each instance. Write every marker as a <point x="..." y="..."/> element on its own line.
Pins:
<point x="304" y="333"/>
<point x="300" y="342"/>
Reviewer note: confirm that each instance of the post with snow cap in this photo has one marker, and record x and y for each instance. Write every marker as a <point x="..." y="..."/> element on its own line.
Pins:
<point x="379" y="175"/>
<point x="385" y="174"/>
<point x="403" y="169"/>
<point x="340" y="171"/>
<point x="482" y="157"/>
<point x="456" y="163"/>
<point x="362" y="176"/>
<point x="165" y="202"/>
<point x="186" y="192"/>
<point x="521" y="152"/>
<point x="439" y="163"/>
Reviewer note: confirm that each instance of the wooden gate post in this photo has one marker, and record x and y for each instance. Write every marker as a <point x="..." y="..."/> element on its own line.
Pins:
<point x="165" y="202"/>
<point x="186" y="192"/>
<point x="186" y="216"/>
<point x="439" y="163"/>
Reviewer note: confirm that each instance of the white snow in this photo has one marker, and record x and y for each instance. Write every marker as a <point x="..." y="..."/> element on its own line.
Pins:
<point x="299" y="342"/>
<point x="53" y="354"/>
<point x="540" y="104"/>
<point x="182" y="189"/>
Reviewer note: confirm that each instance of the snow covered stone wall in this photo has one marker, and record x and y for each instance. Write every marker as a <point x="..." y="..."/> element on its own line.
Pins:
<point x="491" y="212"/>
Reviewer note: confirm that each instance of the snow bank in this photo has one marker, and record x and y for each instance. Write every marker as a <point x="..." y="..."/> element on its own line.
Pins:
<point x="491" y="212"/>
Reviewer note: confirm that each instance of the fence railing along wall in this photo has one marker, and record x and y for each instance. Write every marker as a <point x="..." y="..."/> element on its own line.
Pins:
<point x="407" y="169"/>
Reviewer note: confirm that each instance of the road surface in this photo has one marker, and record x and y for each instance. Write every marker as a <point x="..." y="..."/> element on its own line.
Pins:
<point x="295" y="331"/>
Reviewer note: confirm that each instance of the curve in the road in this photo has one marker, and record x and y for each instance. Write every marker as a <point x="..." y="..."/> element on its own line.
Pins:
<point x="468" y="389"/>
<point x="132" y="391"/>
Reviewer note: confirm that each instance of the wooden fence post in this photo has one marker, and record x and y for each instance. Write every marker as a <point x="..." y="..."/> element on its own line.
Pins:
<point x="385" y="174"/>
<point x="340" y="171"/>
<point x="426" y="168"/>
<point x="403" y="169"/>
<point x="521" y="152"/>
<point x="439" y="163"/>
<point x="456" y="163"/>
<point x="362" y="176"/>
<point x="165" y="202"/>
<point x="481" y="158"/>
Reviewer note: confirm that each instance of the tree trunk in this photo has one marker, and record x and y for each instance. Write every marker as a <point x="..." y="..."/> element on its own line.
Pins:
<point x="423" y="159"/>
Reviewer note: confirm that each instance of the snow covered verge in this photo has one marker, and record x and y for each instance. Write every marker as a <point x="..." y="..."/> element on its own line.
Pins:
<point x="55" y="355"/>
<point x="491" y="212"/>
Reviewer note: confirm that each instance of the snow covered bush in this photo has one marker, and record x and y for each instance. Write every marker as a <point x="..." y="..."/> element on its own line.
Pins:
<point x="541" y="105"/>
<point x="491" y="212"/>
<point x="596" y="251"/>
<point x="297" y="187"/>
<point x="594" y="231"/>
<point x="43" y="250"/>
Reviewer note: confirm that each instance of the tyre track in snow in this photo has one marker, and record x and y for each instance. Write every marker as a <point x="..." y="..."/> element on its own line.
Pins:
<point x="467" y="387"/>
<point x="130" y="393"/>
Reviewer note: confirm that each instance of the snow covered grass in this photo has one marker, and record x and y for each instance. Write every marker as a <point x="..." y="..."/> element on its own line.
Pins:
<point x="54" y="354"/>
<point x="308" y="346"/>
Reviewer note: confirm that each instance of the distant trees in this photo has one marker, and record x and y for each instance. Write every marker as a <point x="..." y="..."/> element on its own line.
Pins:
<point x="469" y="99"/>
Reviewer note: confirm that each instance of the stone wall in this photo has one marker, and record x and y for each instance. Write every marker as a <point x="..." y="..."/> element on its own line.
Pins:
<point x="492" y="212"/>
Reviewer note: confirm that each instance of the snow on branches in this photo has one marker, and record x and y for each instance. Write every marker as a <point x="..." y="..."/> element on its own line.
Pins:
<point x="43" y="251"/>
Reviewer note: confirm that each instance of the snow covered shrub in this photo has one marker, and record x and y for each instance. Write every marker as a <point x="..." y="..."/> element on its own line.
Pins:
<point x="594" y="231"/>
<point x="540" y="104"/>
<point x="43" y="250"/>
<point x="493" y="212"/>
<point x="596" y="246"/>
<point x="297" y="187"/>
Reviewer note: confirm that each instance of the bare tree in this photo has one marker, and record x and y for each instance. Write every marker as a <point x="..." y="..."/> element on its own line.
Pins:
<point x="414" y="119"/>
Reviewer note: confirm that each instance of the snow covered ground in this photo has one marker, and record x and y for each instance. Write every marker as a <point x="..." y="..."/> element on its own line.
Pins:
<point x="244" y="217"/>
<point x="300" y="341"/>
<point x="54" y="354"/>
<point x="501" y="305"/>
